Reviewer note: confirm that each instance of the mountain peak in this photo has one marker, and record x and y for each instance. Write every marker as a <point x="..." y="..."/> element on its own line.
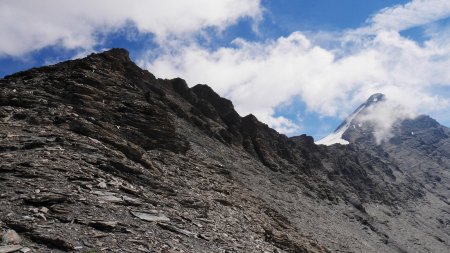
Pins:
<point x="337" y="136"/>
<point x="371" y="126"/>
<point x="375" y="98"/>
<point x="372" y="100"/>
<point x="115" y="53"/>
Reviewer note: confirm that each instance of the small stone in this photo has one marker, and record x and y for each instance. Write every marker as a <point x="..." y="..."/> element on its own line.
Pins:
<point x="25" y="250"/>
<point x="129" y="190"/>
<point x="140" y="248"/>
<point x="96" y="234"/>
<point x="131" y="201"/>
<point x="41" y="216"/>
<point x="11" y="237"/>
<point x="198" y="224"/>
<point x="43" y="210"/>
<point x="102" y="185"/>
<point x="104" y="225"/>
<point x="37" y="191"/>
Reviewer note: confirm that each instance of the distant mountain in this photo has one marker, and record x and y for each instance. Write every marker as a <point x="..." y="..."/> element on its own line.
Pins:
<point x="98" y="155"/>
<point x="419" y="150"/>
<point x="352" y="121"/>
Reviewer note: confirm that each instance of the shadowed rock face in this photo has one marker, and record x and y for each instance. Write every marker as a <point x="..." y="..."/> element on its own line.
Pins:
<point x="98" y="154"/>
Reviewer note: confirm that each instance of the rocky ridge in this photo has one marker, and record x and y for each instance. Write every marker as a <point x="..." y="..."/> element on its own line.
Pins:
<point x="99" y="155"/>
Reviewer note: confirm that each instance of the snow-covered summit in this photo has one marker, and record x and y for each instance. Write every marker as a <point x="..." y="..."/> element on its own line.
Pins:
<point x="337" y="136"/>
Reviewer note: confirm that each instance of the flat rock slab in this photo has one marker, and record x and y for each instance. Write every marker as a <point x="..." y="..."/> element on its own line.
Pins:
<point x="112" y="199"/>
<point x="46" y="199"/>
<point x="10" y="248"/>
<point x="177" y="230"/>
<point x="52" y="241"/>
<point x="150" y="217"/>
<point x="104" y="225"/>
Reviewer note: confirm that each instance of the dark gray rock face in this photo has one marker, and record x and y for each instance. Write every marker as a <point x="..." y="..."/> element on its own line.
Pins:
<point x="99" y="155"/>
<point x="417" y="155"/>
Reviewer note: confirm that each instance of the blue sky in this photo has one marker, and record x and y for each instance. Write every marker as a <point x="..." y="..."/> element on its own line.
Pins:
<point x="299" y="65"/>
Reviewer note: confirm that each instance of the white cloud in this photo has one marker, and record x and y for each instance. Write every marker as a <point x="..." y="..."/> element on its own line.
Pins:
<point x="32" y="25"/>
<point x="331" y="73"/>
<point x="383" y="116"/>
<point x="260" y="76"/>
<point x="411" y="14"/>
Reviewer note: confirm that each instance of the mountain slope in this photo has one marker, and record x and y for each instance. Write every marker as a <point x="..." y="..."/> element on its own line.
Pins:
<point x="419" y="150"/>
<point x="98" y="154"/>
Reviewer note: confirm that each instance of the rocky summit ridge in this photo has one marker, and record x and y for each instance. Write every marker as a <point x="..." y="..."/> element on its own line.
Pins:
<point x="98" y="155"/>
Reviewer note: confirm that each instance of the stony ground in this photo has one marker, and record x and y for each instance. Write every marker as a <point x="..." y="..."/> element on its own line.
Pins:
<point x="98" y="155"/>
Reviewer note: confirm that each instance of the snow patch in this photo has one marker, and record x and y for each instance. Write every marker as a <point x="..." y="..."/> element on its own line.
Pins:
<point x="336" y="137"/>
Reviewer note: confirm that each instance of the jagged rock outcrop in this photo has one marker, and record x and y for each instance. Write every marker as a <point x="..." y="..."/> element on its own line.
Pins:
<point x="100" y="155"/>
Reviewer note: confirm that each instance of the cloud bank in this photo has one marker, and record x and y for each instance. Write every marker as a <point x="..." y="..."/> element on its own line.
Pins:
<point x="383" y="116"/>
<point x="330" y="72"/>
<point x="412" y="14"/>
<point x="260" y="76"/>
<point x="31" y="25"/>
